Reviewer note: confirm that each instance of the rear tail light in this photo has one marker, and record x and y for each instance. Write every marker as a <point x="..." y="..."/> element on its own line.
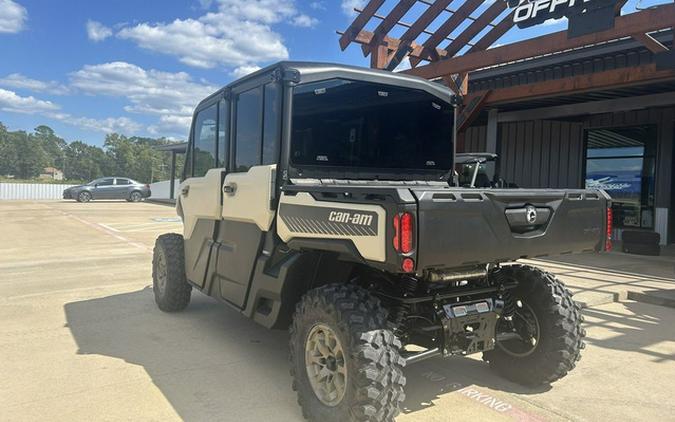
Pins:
<point x="403" y="239"/>
<point x="397" y="232"/>
<point x="406" y="232"/>
<point x="403" y="232"/>
<point x="608" y="236"/>
<point x="408" y="265"/>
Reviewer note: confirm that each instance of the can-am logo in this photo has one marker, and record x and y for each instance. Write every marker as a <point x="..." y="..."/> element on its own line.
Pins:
<point x="533" y="12"/>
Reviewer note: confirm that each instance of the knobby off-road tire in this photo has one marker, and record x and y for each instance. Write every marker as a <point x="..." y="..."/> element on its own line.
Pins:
<point x="172" y="291"/>
<point x="560" y="333"/>
<point x="374" y="368"/>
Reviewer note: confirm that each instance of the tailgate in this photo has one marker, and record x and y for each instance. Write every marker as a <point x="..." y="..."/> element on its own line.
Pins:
<point x="459" y="227"/>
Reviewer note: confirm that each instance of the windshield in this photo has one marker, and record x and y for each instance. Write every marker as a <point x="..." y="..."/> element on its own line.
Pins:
<point x="342" y="123"/>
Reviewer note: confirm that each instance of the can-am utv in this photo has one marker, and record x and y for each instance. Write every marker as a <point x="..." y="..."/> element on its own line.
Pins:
<point x="317" y="197"/>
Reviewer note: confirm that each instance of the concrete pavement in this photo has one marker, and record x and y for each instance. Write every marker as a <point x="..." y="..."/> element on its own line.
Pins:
<point x="82" y="340"/>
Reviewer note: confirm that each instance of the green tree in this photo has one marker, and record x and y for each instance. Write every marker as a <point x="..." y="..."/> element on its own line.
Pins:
<point x="25" y="155"/>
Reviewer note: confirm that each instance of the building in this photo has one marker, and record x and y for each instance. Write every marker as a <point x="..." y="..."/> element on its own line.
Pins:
<point x="51" y="173"/>
<point x="592" y="106"/>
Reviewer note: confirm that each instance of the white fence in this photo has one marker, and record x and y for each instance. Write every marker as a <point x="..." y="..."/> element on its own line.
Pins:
<point x="160" y="190"/>
<point x="31" y="191"/>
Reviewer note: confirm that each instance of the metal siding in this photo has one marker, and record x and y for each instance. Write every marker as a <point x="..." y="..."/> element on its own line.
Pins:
<point x="31" y="191"/>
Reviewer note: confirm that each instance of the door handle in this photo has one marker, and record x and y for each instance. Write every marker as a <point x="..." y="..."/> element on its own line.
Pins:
<point x="185" y="190"/>
<point x="230" y="189"/>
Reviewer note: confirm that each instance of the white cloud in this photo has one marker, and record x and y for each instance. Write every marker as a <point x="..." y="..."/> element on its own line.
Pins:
<point x="11" y="102"/>
<point x="17" y="80"/>
<point x="242" y="71"/>
<point x="171" y="96"/>
<point x="96" y="31"/>
<point x="238" y="33"/>
<point x="349" y="5"/>
<point x="317" y="5"/>
<point x="552" y="21"/>
<point x="170" y="124"/>
<point x="304" y="21"/>
<point x="122" y="125"/>
<point x="12" y="16"/>
<point x="265" y="11"/>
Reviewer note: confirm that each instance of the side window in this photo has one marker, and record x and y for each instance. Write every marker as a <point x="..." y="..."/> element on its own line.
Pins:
<point x="204" y="139"/>
<point x="106" y="182"/>
<point x="187" y="164"/>
<point x="123" y="182"/>
<point x="248" y="129"/>
<point x="223" y="132"/>
<point x="271" y="116"/>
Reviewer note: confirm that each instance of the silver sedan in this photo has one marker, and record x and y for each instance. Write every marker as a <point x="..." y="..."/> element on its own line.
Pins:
<point x="109" y="188"/>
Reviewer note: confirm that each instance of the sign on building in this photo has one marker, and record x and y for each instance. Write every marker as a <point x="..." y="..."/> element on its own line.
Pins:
<point x="585" y="16"/>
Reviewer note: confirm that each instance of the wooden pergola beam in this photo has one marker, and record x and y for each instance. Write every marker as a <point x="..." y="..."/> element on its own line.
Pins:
<point x="428" y="50"/>
<point x="476" y="27"/>
<point x="365" y="37"/>
<point x="359" y="23"/>
<point x="473" y="104"/>
<point x="641" y="22"/>
<point x="495" y="34"/>
<point x="387" y="24"/>
<point x="615" y="78"/>
<point x="415" y="30"/>
<point x="650" y="42"/>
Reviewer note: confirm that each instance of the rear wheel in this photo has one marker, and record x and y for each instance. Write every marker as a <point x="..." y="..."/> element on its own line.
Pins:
<point x="172" y="291"/>
<point x="546" y="335"/>
<point x="84" y="197"/>
<point x="135" y="196"/>
<point x="345" y="361"/>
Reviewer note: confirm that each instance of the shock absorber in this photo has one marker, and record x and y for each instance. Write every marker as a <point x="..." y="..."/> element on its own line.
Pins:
<point x="400" y="311"/>
<point x="498" y="278"/>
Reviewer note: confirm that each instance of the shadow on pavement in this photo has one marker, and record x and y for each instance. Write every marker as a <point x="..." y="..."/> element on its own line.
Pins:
<point x="210" y="361"/>
<point x="641" y="329"/>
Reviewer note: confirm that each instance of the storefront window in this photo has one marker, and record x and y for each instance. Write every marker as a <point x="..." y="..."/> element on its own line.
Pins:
<point x="621" y="161"/>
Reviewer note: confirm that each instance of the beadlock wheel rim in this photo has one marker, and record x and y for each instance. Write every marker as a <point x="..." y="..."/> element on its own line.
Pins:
<point x="326" y="365"/>
<point x="161" y="273"/>
<point x="526" y="316"/>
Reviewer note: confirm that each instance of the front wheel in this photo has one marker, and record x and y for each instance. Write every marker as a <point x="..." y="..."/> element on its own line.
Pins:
<point x="544" y="335"/>
<point x="84" y="196"/>
<point x="135" y="196"/>
<point x="172" y="291"/>
<point x="345" y="361"/>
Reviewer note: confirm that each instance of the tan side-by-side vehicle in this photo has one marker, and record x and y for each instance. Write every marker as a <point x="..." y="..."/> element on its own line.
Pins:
<point x="323" y="198"/>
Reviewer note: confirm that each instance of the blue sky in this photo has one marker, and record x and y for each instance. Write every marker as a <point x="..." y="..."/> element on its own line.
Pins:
<point x="87" y="68"/>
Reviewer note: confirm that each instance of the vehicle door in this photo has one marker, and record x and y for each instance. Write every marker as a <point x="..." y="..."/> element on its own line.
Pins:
<point x="121" y="189"/>
<point x="199" y="199"/>
<point x="249" y="188"/>
<point x="104" y="189"/>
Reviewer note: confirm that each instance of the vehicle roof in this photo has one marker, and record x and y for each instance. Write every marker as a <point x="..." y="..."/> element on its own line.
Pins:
<point x="315" y="71"/>
<point x="114" y="177"/>
<point x="474" y="157"/>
